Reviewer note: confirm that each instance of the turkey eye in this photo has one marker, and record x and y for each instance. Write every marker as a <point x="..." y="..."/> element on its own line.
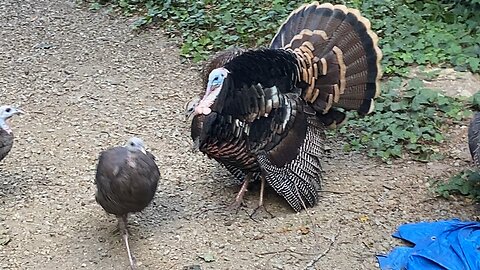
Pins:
<point x="132" y="144"/>
<point x="8" y="110"/>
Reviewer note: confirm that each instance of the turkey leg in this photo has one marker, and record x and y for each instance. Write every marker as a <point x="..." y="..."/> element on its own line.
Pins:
<point x="260" y="200"/>
<point x="239" y="198"/>
<point x="122" y="224"/>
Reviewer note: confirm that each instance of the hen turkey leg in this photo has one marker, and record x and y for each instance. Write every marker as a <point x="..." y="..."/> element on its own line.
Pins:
<point x="122" y="224"/>
<point x="239" y="198"/>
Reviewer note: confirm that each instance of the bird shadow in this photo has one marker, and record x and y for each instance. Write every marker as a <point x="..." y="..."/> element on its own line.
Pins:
<point x="160" y="212"/>
<point x="12" y="184"/>
<point x="227" y="186"/>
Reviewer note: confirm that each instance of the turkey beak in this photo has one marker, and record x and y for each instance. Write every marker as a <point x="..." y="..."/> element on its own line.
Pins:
<point x="15" y="111"/>
<point x="143" y="150"/>
<point x="212" y="88"/>
<point x="189" y="115"/>
<point x="18" y="111"/>
<point x="190" y="108"/>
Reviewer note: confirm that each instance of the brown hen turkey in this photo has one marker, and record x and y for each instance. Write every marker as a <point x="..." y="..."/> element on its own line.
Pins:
<point x="264" y="111"/>
<point x="126" y="180"/>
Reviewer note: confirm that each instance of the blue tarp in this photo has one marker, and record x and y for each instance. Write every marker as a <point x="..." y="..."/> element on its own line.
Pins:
<point x="445" y="245"/>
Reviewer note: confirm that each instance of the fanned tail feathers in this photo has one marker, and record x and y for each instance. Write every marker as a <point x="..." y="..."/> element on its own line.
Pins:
<point x="338" y="56"/>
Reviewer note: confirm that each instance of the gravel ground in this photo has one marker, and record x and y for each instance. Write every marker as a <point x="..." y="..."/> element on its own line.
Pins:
<point x="88" y="83"/>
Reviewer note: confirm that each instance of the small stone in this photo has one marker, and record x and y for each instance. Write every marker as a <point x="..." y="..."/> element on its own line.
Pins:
<point x="4" y="239"/>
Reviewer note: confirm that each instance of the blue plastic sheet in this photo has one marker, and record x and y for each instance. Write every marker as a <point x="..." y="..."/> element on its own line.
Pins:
<point x="445" y="245"/>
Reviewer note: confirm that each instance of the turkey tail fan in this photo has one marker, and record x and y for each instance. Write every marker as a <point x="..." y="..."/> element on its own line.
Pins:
<point x="474" y="139"/>
<point x="337" y="54"/>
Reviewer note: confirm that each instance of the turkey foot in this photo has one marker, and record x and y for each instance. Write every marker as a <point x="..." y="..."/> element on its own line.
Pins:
<point x="239" y="198"/>
<point x="260" y="202"/>
<point x="122" y="225"/>
<point x="118" y="229"/>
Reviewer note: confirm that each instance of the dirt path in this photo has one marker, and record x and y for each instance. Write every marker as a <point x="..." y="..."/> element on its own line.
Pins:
<point x="90" y="83"/>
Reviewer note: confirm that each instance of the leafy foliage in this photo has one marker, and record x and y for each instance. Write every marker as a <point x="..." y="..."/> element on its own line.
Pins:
<point x="465" y="183"/>
<point x="207" y="26"/>
<point x="475" y="100"/>
<point x="408" y="118"/>
<point x="426" y="32"/>
<point x="412" y="32"/>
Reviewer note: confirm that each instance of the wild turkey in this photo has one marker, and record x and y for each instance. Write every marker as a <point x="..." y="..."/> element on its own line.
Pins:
<point x="474" y="139"/>
<point x="126" y="180"/>
<point x="6" y="133"/>
<point x="264" y="110"/>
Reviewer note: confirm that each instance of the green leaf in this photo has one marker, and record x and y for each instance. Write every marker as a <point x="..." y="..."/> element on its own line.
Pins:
<point x="396" y="106"/>
<point x="465" y="183"/>
<point x="476" y="99"/>
<point x="474" y="64"/>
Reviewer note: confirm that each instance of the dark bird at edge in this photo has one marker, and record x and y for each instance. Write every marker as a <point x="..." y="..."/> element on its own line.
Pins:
<point x="6" y="133"/>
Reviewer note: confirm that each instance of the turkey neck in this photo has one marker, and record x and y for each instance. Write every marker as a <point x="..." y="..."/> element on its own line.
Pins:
<point x="5" y="126"/>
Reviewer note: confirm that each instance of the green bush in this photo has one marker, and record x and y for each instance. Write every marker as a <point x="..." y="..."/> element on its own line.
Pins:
<point x="425" y="33"/>
<point x="466" y="183"/>
<point x="209" y="26"/>
<point x="409" y="118"/>
<point x="412" y="32"/>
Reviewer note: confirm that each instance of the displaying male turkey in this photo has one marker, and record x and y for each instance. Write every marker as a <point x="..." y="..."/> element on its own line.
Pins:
<point x="6" y="133"/>
<point x="474" y="139"/>
<point x="126" y="180"/>
<point x="264" y="110"/>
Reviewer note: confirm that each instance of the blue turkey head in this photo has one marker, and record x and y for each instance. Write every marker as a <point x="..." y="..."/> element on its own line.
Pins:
<point x="214" y="86"/>
<point x="8" y="111"/>
<point x="5" y="113"/>
<point x="135" y="144"/>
